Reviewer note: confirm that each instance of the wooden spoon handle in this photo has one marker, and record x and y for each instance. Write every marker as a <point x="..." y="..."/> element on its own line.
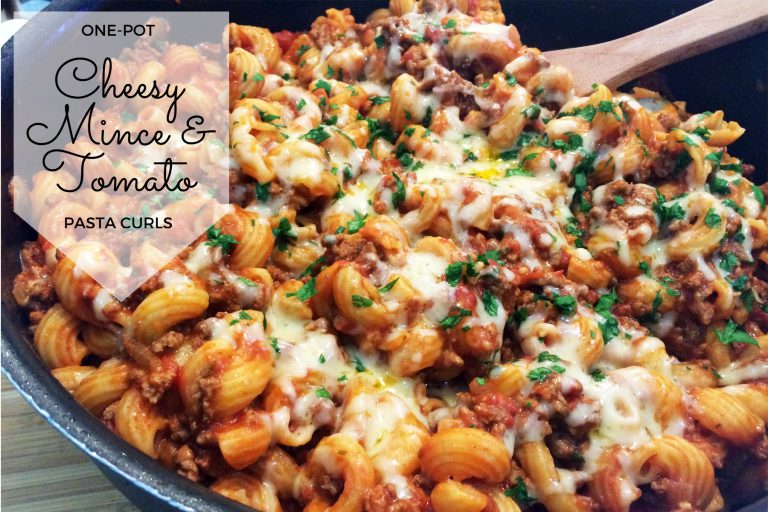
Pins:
<point x="705" y="28"/>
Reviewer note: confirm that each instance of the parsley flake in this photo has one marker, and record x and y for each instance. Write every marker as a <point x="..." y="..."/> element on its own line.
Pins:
<point x="732" y="334"/>
<point x="306" y="292"/>
<point x="357" y="223"/>
<point x="217" y="239"/>
<point x="490" y="304"/>
<point x="712" y="219"/>
<point x="729" y="262"/>
<point x="283" y="232"/>
<point x="452" y="321"/>
<point x="519" y="492"/>
<point x="361" y="302"/>
<point x="387" y="287"/>
<point x="597" y="375"/>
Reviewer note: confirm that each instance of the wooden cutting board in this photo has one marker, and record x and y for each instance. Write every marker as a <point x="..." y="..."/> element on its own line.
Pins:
<point x="43" y="472"/>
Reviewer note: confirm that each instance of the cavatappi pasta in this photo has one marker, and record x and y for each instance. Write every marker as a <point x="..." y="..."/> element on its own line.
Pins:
<point x="445" y="283"/>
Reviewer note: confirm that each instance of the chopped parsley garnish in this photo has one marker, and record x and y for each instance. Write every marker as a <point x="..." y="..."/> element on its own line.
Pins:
<point x="733" y="205"/>
<point x="322" y="84"/>
<point x="719" y="186"/>
<point x="452" y="321"/>
<point x="517" y="171"/>
<point x="339" y="194"/>
<point x="740" y="283"/>
<point x="379" y="40"/>
<point x="275" y="346"/>
<point x="748" y="299"/>
<point x="712" y="219"/>
<point x="519" y="492"/>
<point x="572" y="228"/>
<point x="453" y="272"/>
<point x="378" y="100"/>
<point x="701" y="132"/>
<point x="539" y="374"/>
<point x="306" y="292"/>
<point x="361" y="302"/>
<point x="520" y="316"/>
<point x="574" y="142"/>
<point x="609" y="326"/>
<point x="715" y="157"/>
<point x="217" y="239"/>
<point x="489" y="303"/>
<point x="300" y="105"/>
<point x="653" y="315"/>
<point x="547" y="357"/>
<point x="427" y="117"/>
<point x="302" y="50"/>
<point x="283" y="232"/>
<point x="262" y="191"/>
<point x="377" y="129"/>
<point x="606" y="107"/>
<point x="665" y="282"/>
<point x="489" y="256"/>
<point x="729" y="262"/>
<point x="266" y="117"/>
<point x="316" y="135"/>
<point x="389" y="285"/>
<point x="618" y="200"/>
<point x="307" y="271"/>
<point x="347" y="172"/>
<point x="759" y="195"/>
<point x="681" y="162"/>
<point x="645" y="268"/>
<point x="323" y="393"/>
<point x="667" y="213"/>
<point x="588" y="112"/>
<point x="404" y="156"/>
<point x="357" y="223"/>
<point x="246" y="281"/>
<point x="359" y="366"/>
<point x="398" y="196"/>
<point x="450" y="23"/>
<point x="732" y="334"/>
<point x="532" y="111"/>
<point x="481" y="381"/>
<point x="597" y="375"/>
<point x="564" y="303"/>
<point x="321" y="359"/>
<point x="688" y="141"/>
<point x="580" y="173"/>
<point x="733" y="167"/>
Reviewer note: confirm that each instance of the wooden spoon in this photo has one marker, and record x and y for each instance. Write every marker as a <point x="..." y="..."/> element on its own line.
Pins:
<point x="705" y="28"/>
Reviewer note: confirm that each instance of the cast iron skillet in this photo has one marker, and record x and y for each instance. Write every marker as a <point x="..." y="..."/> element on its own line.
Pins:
<point x="732" y="78"/>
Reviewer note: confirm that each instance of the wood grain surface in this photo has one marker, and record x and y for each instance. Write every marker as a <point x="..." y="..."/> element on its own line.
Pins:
<point x="43" y="472"/>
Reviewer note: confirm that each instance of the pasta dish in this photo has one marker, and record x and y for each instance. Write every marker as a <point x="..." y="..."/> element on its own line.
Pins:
<point x="444" y="282"/>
